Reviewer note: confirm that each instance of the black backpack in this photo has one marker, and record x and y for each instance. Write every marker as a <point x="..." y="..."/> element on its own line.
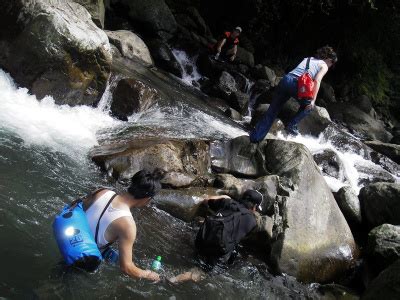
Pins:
<point x="218" y="235"/>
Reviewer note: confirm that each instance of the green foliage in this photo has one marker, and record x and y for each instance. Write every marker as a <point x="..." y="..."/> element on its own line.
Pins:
<point x="373" y="76"/>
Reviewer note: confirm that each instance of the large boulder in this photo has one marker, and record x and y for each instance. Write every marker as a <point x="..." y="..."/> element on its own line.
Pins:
<point x="386" y="285"/>
<point x="96" y="10"/>
<point x="151" y="15"/>
<point x="164" y="58"/>
<point x="224" y="86"/>
<point x="384" y="246"/>
<point x="239" y="101"/>
<point x="380" y="204"/>
<point x="132" y="96"/>
<point x="349" y="204"/>
<point x="312" y="240"/>
<point x="390" y="150"/>
<point x="359" y="121"/>
<point x="313" y="124"/>
<point x="54" y="48"/>
<point x="237" y="157"/>
<point x="130" y="46"/>
<point x="329" y="163"/>
<point x="123" y="159"/>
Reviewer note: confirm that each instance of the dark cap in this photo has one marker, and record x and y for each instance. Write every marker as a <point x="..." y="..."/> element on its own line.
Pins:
<point x="252" y="196"/>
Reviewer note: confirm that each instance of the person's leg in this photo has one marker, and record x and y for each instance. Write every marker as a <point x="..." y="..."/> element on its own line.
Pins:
<point x="304" y="110"/>
<point x="264" y="125"/>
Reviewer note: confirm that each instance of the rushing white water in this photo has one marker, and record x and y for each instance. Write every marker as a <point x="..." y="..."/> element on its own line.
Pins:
<point x="349" y="174"/>
<point x="191" y="75"/>
<point x="70" y="130"/>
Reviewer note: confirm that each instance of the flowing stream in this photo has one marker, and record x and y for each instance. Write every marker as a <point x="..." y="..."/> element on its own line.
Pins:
<point x="44" y="164"/>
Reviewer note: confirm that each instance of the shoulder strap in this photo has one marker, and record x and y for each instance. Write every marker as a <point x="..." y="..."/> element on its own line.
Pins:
<point x="102" y="213"/>
<point x="308" y="63"/>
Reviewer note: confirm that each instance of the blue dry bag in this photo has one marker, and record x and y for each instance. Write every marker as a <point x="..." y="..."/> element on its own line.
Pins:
<point x="75" y="240"/>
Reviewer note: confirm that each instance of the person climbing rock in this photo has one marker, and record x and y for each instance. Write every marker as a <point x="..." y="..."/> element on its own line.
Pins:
<point x="226" y="47"/>
<point x="218" y="237"/>
<point x="316" y="67"/>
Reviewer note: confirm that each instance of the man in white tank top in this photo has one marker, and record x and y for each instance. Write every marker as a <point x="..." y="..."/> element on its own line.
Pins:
<point x="117" y="223"/>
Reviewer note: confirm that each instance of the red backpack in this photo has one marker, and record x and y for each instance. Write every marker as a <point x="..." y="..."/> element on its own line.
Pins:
<point x="305" y="84"/>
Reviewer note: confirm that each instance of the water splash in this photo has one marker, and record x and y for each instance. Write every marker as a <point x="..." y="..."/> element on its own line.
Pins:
<point x="349" y="174"/>
<point x="70" y="130"/>
<point x="191" y="75"/>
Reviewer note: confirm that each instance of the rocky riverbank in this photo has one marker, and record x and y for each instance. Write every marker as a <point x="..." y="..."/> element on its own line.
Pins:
<point x="71" y="49"/>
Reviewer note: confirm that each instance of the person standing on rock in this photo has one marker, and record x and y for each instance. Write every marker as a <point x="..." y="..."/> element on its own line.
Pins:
<point x="288" y="87"/>
<point x="116" y="222"/>
<point x="226" y="47"/>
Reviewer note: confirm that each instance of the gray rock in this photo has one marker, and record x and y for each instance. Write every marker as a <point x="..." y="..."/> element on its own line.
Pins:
<point x="244" y="57"/>
<point x="363" y="103"/>
<point x="237" y="157"/>
<point x="184" y="204"/>
<point x="313" y="124"/>
<point x="131" y="96"/>
<point x="153" y="15"/>
<point x="380" y="204"/>
<point x="359" y="121"/>
<point x="349" y="204"/>
<point x="233" y="114"/>
<point x="386" y="285"/>
<point x="96" y="10"/>
<point x="384" y="245"/>
<point x="226" y="85"/>
<point x="239" y="101"/>
<point x="263" y="72"/>
<point x="122" y="159"/>
<point x="390" y="150"/>
<point x="130" y="45"/>
<point x="329" y="162"/>
<point x="370" y="173"/>
<point x="326" y="93"/>
<point x="68" y="56"/>
<point x="312" y="240"/>
<point x="163" y="57"/>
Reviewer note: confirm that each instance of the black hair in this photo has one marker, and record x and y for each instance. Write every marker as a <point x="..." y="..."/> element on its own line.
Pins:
<point x="145" y="184"/>
<point x="251" y="199"/>
<point x="326" y="52"/>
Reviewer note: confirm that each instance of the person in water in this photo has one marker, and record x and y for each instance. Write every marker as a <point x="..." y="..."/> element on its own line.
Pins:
<point x="226" y="47"/>
<point x="239" y="219"/>
<point x="117" y="223"/>
<point x="318" y="67"/>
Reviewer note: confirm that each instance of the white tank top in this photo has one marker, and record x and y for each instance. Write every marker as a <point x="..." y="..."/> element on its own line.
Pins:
<point x="110" y="215"/>
<point x="315" y="66"/>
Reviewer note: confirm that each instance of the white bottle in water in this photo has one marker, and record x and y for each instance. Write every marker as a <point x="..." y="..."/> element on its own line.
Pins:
<point x="156" y="265"/>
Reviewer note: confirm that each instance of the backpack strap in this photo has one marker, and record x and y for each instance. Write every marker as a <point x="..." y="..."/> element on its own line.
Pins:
<point x="101" y="215"/>
<point x="308" y="64"/>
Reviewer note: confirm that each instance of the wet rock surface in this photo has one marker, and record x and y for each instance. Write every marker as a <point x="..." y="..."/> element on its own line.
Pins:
<point x="68" y="56"/>
<point x="380" y="204"/>
<point x="130" y="45"/>
<point x="384" y="246"/>
<point x="96" y="9"/>
<point x="349" y="204"/>
<point x="359" y="121"/>
<point x="237" y="157"/>
<point x="390" y="150"/>
<point x="132" y="96"/>
<point x="163" y="57"/>
<point x="124" y="159"/>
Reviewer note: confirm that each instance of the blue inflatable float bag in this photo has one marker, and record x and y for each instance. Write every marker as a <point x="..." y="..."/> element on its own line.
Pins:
<point x="75" y="239"/>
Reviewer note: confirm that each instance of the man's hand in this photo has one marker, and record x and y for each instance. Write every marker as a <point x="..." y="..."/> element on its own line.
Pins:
<point x="217" y="55"/>
<point x="311" y="106"/>
<point x="232" y="58"/>
<point x="150" y="275"/>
